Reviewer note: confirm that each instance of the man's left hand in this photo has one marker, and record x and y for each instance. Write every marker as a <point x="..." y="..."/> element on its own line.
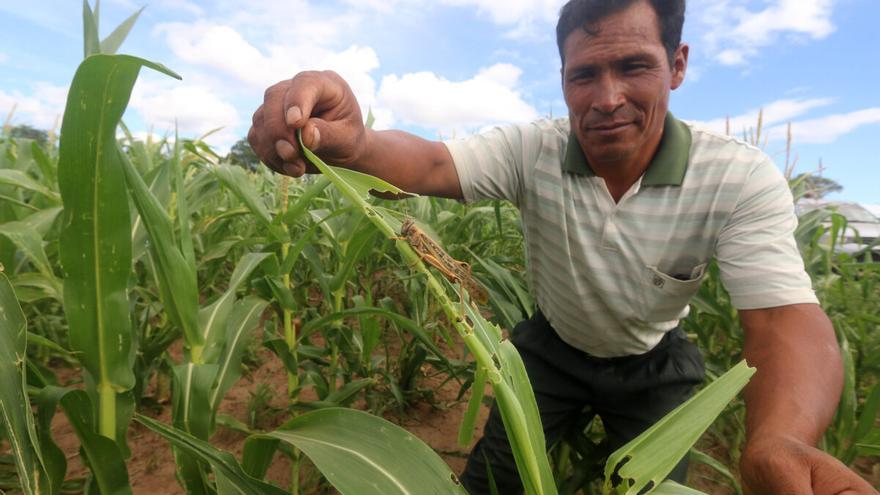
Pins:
<point x="786" y="466"/>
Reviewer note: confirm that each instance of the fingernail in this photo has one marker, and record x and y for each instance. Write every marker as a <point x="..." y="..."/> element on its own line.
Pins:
<point x="285" y="150"/>
<point x="292" y="169"/>
<point x="293" y="115"/>
<point x="316" y="139"/>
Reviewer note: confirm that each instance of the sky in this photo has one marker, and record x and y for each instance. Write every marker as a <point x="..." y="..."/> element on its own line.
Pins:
<point x="449" y="68"/>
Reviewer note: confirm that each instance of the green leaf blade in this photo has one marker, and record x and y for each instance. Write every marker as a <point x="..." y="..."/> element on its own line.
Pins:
<point x="112" y="42"/>
<point x="15" y="413"/>
<point x="650" y="457"/>
<point x="363" y="454"/>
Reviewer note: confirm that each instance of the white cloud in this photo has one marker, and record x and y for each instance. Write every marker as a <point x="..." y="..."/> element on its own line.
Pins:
<point x="42" y="108"/>
<point x="3" y="57"/>
<point x="827" y="129"/>
<point x="180" y="5"/>
<point x="429" y="100"/>
<point x="194" y="109"/>
<point x="776" y="112"/>
<point x="217" y="47"/>
<point x="296" y="22"/>
<point x="735" y="34"/>
<point x="224" y="49"/>
<point x="527" y="18"/>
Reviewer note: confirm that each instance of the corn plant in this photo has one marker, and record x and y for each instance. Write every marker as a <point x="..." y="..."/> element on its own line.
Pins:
<point x="18" y="420"/>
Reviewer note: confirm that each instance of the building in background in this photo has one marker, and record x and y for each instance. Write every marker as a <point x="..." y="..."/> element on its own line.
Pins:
<point x="863" y="225"/>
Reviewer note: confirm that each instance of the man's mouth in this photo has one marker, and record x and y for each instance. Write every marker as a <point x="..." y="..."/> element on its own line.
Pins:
<point x="607" y="129"/>
<point x="609" y="126"/>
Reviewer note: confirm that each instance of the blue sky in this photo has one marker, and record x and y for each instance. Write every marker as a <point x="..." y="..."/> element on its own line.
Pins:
<point x="444" y="68"/>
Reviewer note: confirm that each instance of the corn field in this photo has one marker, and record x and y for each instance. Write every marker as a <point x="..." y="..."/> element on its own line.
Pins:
<point x="143" y="279"/>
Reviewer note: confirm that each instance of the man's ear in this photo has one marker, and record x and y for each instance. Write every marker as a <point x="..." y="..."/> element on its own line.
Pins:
<point x="679" y="65"/>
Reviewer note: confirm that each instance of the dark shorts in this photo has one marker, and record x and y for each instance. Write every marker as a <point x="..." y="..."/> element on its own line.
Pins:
<point x="629" y="393"/>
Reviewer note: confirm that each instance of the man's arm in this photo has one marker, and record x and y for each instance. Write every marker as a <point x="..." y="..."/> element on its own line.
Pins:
<point x="322" y="105"/>
<point x="790" y="402"/>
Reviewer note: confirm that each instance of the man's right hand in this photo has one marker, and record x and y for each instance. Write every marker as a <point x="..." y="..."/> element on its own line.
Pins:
<point x="324" y="107"/>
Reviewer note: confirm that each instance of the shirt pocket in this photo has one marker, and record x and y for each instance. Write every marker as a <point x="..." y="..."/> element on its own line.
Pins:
<point x="664" y="297"/>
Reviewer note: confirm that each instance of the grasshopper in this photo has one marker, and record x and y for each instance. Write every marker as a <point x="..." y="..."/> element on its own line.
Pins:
<point x="430" y="252"/>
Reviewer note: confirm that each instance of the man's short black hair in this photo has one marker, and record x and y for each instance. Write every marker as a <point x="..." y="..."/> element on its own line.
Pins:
<point x="584" y="14"/>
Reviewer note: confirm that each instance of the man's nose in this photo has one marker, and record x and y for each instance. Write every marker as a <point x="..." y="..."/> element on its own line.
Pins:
<point x="608" y="94"/>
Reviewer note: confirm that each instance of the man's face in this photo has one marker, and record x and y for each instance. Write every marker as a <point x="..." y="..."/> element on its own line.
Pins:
<point x="616" y="85"/>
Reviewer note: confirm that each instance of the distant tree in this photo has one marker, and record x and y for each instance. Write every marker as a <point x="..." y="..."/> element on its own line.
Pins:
<point x="28" y="132"/>
<point x="816" y="186"/>
<point x="243" y="155"/>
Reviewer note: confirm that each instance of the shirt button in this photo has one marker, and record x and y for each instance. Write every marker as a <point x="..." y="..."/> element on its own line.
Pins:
<point x="659" y="282"/>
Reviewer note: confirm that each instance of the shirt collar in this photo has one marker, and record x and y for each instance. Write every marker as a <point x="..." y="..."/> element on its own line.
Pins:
<point x="668" y="166"/>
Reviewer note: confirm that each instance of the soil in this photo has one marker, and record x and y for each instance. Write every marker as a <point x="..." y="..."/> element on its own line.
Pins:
<point x="152" y="468"/>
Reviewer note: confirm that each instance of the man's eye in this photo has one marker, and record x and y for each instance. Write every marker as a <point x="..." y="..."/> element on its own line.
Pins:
<point x="635" y="67"/>
<point x="581" y="76"/>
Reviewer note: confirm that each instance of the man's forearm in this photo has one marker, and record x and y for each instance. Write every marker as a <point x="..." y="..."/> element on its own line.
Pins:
<point x="411" y="163"/>
<point x="799" y="376"/>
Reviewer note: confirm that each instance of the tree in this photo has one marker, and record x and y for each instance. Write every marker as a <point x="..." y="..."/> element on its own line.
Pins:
<point x="243" y="155"/>
<point x="816" y="186"/>
<point x="28" y="132"/>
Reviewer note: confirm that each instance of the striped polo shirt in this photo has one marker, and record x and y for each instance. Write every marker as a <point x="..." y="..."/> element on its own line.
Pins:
<point x="612" y="278"/>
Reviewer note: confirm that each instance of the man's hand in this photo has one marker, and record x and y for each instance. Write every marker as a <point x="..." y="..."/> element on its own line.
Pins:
<point x="785" y="466"/>
<point x="324" y="107"/>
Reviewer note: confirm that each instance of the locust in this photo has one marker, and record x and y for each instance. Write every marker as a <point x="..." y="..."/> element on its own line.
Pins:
<point x="430" y="252"/>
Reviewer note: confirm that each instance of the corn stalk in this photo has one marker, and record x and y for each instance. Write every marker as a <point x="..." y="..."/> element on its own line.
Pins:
<point x="502" y="364"/>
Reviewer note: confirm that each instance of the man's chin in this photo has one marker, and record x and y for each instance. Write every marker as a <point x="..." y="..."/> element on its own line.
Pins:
<point x="607" y="152"/>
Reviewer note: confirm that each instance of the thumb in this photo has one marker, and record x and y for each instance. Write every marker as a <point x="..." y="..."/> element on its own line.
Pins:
<point x="336" y="140"/>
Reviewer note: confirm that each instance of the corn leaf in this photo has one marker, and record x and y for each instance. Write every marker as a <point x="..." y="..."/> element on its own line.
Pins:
<point x="407" y="324"/>
<point x="191" y="398"/>
<point x="672" y="488"/>
<point x="177" y="278"/>
<point x="54" y="459"/>
<point x="191" y="410"/>
<point x="213" y="318"/>
<point x="17" y="418"/>
<point x="157" y="181"/>
<point x="103" y="456"/>
<point x="222" y="462"/>
<point x="238" y="181"/>
<point x="95" y="244"/>
<point x="364" y="184"/>
<point x="519" y="411"/>
<point x="47" y="168"/>
<point x="468" y="421"/>
<point x="91" y="42"/>
<point x="258" y="454"/>
<point x="305" y="199"/>
<point x="33" y="286"/>
<point x="697" y="456"/>
<point x="242" y="322"/>
<point x="870" y="444"/>
<point x="361" y="454"/>
<point x="112" y="42"/>
<point x="646" y="460"/>
<point x="19" y="179"/>
<point x="30" y="243"/>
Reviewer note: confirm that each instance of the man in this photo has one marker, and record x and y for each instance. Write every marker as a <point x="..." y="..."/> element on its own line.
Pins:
<point x="622" y="205"/>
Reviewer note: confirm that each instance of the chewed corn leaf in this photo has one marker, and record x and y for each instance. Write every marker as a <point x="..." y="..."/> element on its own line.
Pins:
<point x="360" y="182"/>
<point x="642" y="464"/>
